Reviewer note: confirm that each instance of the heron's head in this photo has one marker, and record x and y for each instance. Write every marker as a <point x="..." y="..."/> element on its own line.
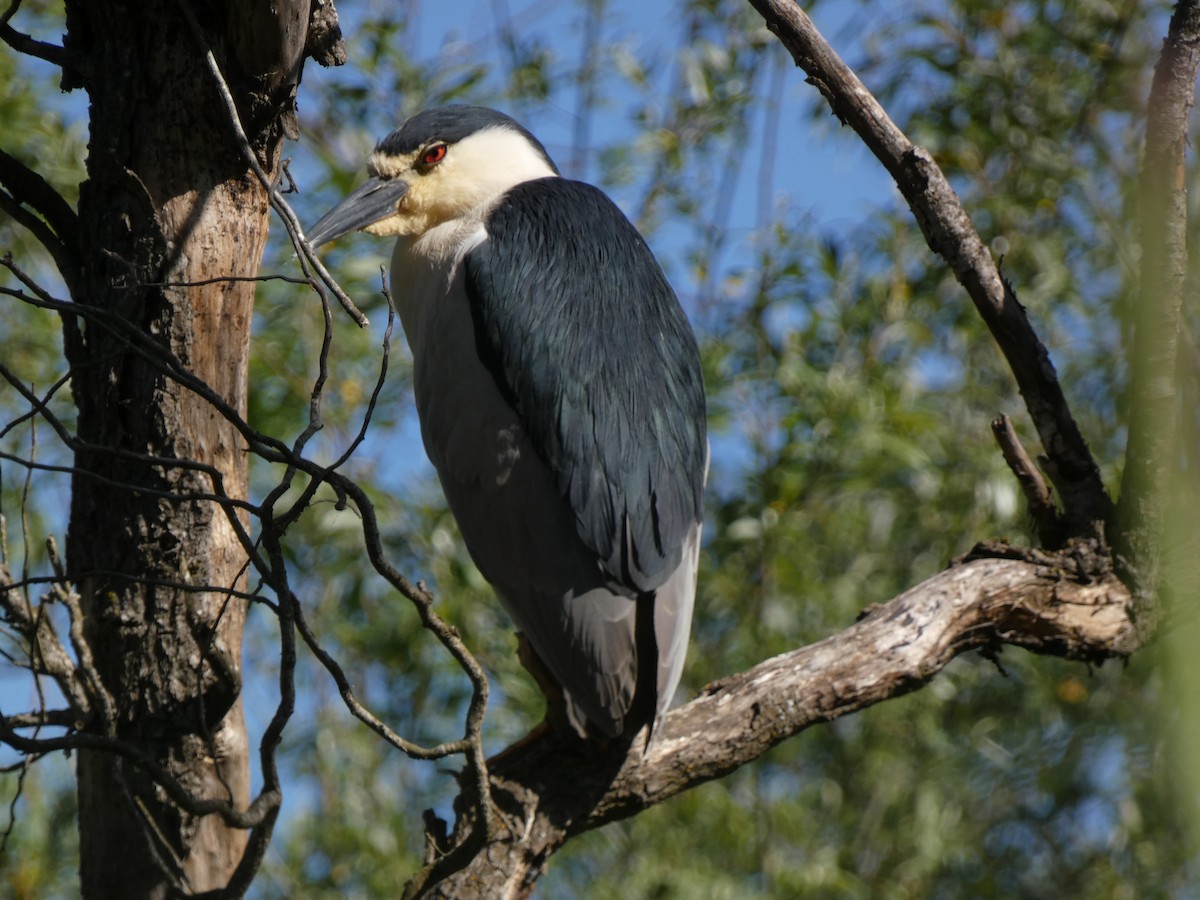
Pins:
<point x="441" y="165"/>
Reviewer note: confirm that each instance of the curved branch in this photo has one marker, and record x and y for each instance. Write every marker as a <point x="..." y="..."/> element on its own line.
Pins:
<point x="249" y="817"/>
<point x="1153" y="413"/>
<point x="950" y="234"/>
<point x="548" y="790"/>
<point x="28" y="189"/>
<point x="23" y="43"/>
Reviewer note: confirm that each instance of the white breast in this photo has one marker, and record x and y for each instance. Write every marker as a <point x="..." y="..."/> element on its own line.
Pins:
<point x="471" y="434"/>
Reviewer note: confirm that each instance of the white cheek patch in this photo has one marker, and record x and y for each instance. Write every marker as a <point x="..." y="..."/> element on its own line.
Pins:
<point x="384" y="165"/>
<point x="384" y="227"/>
<point x="476" y="172"/>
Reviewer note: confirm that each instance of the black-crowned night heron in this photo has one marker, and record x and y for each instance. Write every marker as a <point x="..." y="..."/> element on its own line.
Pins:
<point x="560" y="397"/>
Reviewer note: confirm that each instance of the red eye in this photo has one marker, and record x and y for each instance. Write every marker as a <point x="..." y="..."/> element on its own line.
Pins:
<point x="433" y="155"/>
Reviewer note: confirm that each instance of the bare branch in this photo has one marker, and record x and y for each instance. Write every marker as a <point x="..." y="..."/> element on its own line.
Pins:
<point x="28" y="188"/>
<point x="950" y="234"/>
<point x="23" y="43"/>
<point x="22" y="769"/>
<point x="65" y="259"/>
<point x="46" y="718"/>
<point x="360" y="712"/>
<point x="197" y="806"/>
<point x="46" y="653"/>
<point x="90" y="678"/>
<point x="449" y="638"/>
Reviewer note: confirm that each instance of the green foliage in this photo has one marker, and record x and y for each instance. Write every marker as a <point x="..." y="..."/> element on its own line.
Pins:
<point x="851" y="388"/>
<point x="39" y="860"/>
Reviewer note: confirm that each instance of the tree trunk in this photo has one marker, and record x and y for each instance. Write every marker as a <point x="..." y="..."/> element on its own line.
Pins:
<point x="170" y="199"/>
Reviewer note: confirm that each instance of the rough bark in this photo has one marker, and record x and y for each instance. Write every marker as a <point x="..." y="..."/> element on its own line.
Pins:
<point x="549" y="789"/>
<point x="169" y="199"/>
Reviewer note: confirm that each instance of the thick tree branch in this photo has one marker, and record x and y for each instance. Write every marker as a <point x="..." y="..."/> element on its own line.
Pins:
<point x="950" y="234"/>
<point x="1069" y="605"/>
<point x="1153" y="412"/>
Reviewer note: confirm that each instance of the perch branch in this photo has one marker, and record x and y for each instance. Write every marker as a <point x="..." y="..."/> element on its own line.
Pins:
<point x="548" y="791"/>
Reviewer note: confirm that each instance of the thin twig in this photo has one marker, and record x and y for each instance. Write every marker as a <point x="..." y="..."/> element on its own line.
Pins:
<point x="24" y="766"/>
<point x="97" y="692"/>
<point x="196" y="806"/>
<point x="1033" y="485"/>
<point x="449" y="638"/>
<point x="46" y="654"/>
<point x="46" y="718"/>
<point x="223" y="279"/>
<point x="384" y="358"/>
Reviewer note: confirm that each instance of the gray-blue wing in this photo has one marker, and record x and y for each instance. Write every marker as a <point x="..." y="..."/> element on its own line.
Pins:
<point x="591" y="348"/>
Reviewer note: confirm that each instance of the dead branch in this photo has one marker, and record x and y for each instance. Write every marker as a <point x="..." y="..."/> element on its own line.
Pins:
<point x="59" y="231"/>
<point x="23" y="43"/>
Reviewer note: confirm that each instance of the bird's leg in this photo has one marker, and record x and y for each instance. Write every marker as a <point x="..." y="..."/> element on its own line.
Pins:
<point x="557" y="718"/>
